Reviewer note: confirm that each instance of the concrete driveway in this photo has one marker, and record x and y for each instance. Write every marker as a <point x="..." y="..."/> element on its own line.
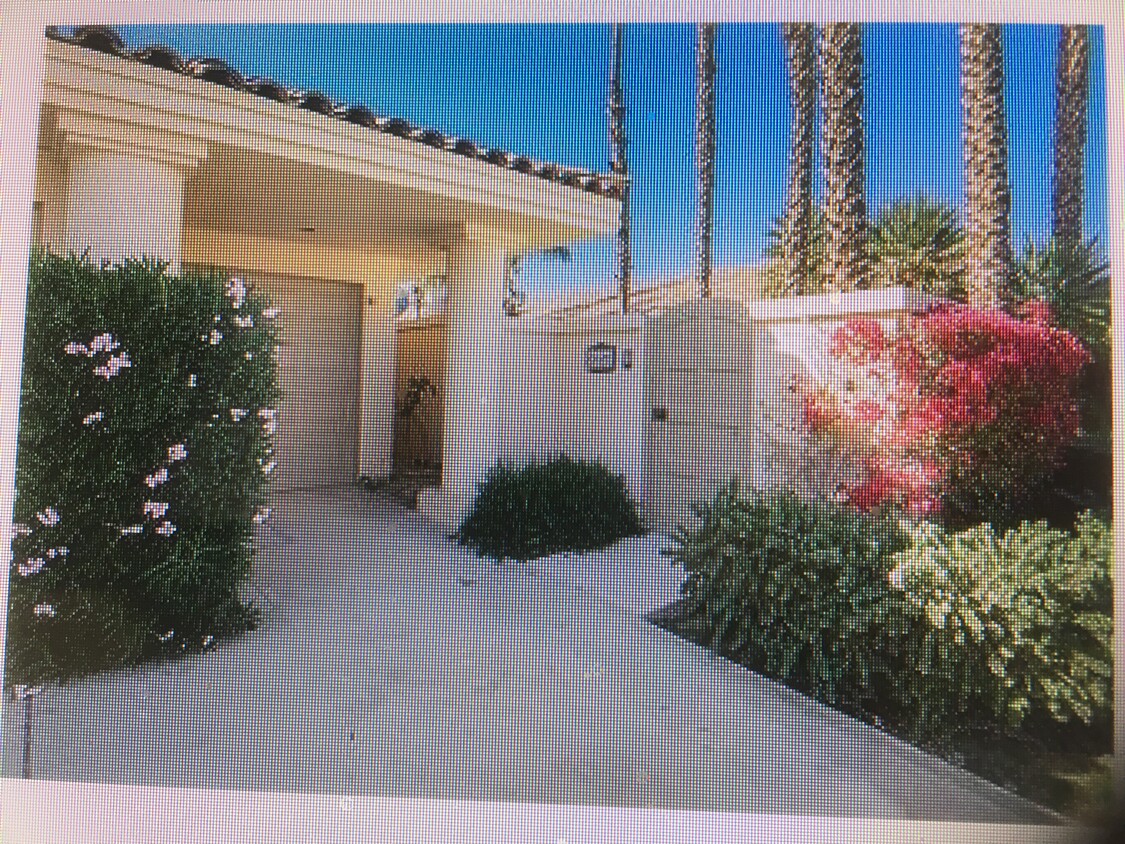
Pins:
<point x="391" y="662"/>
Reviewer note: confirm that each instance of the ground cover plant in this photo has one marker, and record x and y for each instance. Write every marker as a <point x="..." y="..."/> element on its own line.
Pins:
<point x="549" y="506"/>
<point x="146" y="415"/>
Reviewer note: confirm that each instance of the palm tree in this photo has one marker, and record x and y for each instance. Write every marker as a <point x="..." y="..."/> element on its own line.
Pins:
<point x="800" y="39"/>
<point x="620" y="166"/>
<point x="918" y="243"/>
<point x="988" y="201"/>
<point x="842" y="145"/>
<point x="1072" y="91"/>
<point x="705" y="150"/>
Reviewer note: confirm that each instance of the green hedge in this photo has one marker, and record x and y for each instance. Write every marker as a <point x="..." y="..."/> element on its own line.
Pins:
<point x="933" y="631"/>
<point x="794" y="589"/>
<point x="546" y="507"/>
<point x="143" y="450"/>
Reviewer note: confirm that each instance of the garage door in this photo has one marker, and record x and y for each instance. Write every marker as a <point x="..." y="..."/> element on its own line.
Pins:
<point x="317" y="440"/>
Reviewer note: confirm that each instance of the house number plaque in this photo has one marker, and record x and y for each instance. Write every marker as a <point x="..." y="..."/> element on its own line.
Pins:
<point x="601" y="357"/>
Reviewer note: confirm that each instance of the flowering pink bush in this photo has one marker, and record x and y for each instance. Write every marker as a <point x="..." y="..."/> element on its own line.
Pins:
<point x="961" y="409"/>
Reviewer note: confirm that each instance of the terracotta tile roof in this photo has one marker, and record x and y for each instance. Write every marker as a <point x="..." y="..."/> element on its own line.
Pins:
<point x="106" y="40"/>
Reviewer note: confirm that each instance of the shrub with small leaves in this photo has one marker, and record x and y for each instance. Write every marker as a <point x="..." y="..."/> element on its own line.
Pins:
<point x="546" y="507"/>
<point x="934" y="632"/>
<point x="1007" y="626"/>
<point x="795" y="589"/>
<point x="145" y="423"/>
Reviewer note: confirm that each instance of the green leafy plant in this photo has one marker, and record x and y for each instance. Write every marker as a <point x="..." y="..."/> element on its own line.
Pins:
<point x="1073" y="282"/>
<point x="144" y="444"/>
<point x="918" y="243"/>
<point x="933" y="632"/>
<point x="546" y="507"/>
<point x="795" y="589"/>
<point x="1007" y="626"/>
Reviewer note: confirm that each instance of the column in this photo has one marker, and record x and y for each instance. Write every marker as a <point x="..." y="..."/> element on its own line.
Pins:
<point x="474" y="324"/>
<point x="377" y="389"/>
<point x="124" y="194"/>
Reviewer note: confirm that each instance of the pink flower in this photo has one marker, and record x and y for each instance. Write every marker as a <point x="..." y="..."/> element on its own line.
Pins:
<point x="155" y="509"/>
<point x="32" y="566"/>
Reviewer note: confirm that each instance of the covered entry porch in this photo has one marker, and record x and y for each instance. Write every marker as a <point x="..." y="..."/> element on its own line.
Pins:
<point x="323" y="208"/>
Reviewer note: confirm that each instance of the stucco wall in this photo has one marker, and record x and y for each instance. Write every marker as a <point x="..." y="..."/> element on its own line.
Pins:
<point x="552" y="405"/>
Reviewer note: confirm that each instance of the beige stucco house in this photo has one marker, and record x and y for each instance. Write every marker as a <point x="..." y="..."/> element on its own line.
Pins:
<point x="328" y="209"/>
<point x="325" y="207"/>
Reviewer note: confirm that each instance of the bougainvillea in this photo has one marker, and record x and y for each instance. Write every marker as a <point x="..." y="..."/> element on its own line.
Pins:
<point x="957" y="412"/>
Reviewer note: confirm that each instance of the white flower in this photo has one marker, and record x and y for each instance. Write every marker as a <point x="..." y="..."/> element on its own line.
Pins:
<point x="238" y="413"/>
<point x="112" y="366"/>
<point x="44" y="610"/>
<point x="192" y="381"/>
<point x="157" y="478"/>
<point x="270" y="313"/>
<point x="20" y="529"/>
<point x="61" y="551"/>
<point x="269" y="467"/>
<point x="132" y="529"/>
<point x="75" y="349"/>
<point x="236" y="290"/>
<point x="32" y="566"/>
<point x="94" y="417"/>
<point x="155" y="509"/>
<point x="262" y="514"/>
<point x="216" y="337"/>
<point x="49" y="517"/>
<point x="166" y="529"/>
<point x="177" y="452"/>
<point x="103" y="343"/>
<point x="244" y="321"/>
<point x="164" y="637"/>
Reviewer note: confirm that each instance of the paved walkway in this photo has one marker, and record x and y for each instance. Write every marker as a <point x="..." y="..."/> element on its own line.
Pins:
<point x="392" y="662"/>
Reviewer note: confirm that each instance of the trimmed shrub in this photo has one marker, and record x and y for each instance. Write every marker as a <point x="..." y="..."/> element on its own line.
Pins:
<point x="795" y="589"/>
<point x="144" y="445"/>
<point x="931" y="631"/>
<point x="546" y="507"/>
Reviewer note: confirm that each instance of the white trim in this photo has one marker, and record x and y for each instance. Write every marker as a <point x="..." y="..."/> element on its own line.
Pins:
<point x="138" y="99"/>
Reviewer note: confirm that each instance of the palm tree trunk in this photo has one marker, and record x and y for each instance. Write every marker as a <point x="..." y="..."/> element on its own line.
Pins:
<point x="800" y="38"/>
<point x="842" y="144"/>
<point x="621" y="167"/>
<point x="1072" y="91"/>
<point x="988" y="202"/>
<point x="705" y="151"/>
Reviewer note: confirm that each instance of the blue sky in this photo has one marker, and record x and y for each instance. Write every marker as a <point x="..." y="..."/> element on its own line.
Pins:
<point x="541" y="90"/>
